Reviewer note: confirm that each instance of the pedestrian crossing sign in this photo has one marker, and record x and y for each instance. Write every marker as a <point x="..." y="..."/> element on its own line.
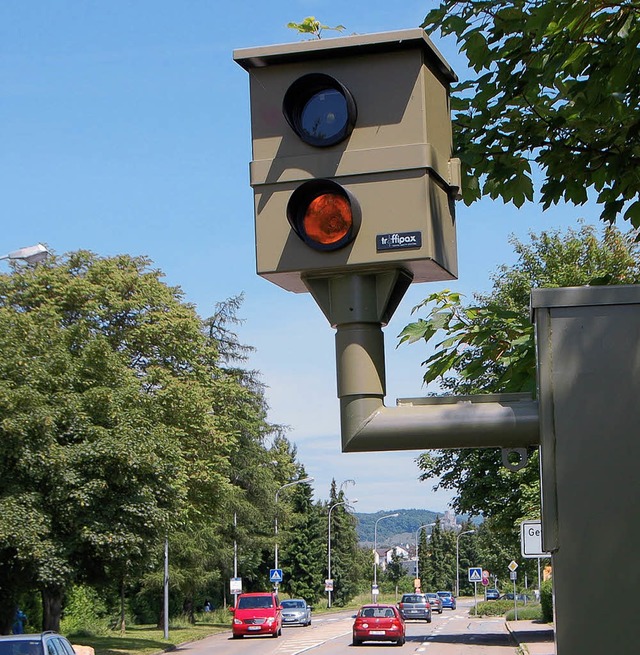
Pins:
<point x="275" y="575"/>
<point x="475" y="574"/>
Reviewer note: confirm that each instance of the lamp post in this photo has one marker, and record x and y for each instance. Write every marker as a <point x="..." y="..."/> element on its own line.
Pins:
<point x="375" y="550"/>
<point x="165" y="590"/>
<point x="458" y="559"/>
<point x="426" y="525"/>
<point x="343" y="502"/>
<point x="284" y="486"/>
<point x="30" y="254"/>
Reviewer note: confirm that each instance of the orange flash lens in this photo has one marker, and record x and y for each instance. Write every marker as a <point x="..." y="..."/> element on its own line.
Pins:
<point x="328" y="218"/>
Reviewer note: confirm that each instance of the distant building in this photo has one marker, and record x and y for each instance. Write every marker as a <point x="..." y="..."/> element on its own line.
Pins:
<point x="448" y="521"/>
<point x="384" y="556"/>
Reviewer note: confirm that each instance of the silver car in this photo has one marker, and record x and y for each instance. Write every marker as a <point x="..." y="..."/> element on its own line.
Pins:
<point x="436" y="602"/>
<point x="415" y="606"/>
<point x="296" y="611"/>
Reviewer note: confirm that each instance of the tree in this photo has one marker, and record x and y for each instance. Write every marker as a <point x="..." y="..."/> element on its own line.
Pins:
<point x="114" y="429"/>
<point x="489" y="347"/>
<point x="468" y="556"/>
<point x="395" y="572"/>
<point x="425" y="572"/>
<point x="495" y="552"/>
<point x="441" y="572"/>
<point x="554" y="83"/>
<point x="303" y="556"/>
<point x="347" y="560"/>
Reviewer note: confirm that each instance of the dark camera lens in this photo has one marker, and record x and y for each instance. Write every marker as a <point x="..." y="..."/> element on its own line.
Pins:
<point x="325" y="115"/>
<point x="320" y="110"/>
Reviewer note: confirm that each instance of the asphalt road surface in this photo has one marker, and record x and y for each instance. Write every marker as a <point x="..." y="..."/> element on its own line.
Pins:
<point x="450" y="633"/>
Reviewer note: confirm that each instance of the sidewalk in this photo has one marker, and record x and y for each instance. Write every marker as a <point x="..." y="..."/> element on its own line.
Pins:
<point x="533" y="637"/>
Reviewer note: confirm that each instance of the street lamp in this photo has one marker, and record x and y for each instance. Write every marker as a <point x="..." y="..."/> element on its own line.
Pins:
<point x="342" y="502"/>
<point x="458" y="559"/>
<point x="426" y="525"/>
<point x="375" y="548"/>
<point x="284" y="486"/>
<point x="30" y="254"/>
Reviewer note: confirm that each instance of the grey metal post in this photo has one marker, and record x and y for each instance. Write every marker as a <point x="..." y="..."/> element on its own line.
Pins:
<point x="588" y="342"/>
<point x="358" y="305"/>
<point x="166" y="589"/>
<point x="375" y="550"/>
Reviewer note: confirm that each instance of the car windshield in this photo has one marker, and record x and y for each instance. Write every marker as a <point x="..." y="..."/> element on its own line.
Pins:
<point x="377" y="612"/>
<point x="444" y="594"/>
<point x="20" y="647"/>
<point x="254" y="602"/>
<point x="413" y="599"/>
<point x="293" y="604"/>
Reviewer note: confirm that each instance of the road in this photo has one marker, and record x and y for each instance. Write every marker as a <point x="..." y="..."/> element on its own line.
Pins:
<point x="450" y="633"/>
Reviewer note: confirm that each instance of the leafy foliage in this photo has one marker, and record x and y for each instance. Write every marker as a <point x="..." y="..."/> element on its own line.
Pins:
<point x="349" y="566"/>
<point x="546" y="600"/>
<point x="121" y="412"/>
<point x="489" y="347"/>
<point x="303" y="561"/>
<point x="441" y="571"/>
<point x="310" y="25"/>
<point x="556" y="88"/>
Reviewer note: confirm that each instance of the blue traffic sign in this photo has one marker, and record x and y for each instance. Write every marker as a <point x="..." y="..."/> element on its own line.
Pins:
<point x="275" y="575"/>
<point x="475" y="574"/>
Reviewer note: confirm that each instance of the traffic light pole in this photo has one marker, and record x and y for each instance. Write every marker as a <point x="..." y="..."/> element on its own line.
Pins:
<point x="358" y="305"/>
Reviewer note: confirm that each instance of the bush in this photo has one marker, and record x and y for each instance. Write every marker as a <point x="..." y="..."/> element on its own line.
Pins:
<point x="492" y="608"/>
<point x="505" y="608"/>
<point x="530" y="612"/>
<point x="84" y="613"/>
<point x="546" y="601"/>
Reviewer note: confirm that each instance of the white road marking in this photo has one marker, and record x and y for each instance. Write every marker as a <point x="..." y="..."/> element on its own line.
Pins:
<point x="315" y="637"/>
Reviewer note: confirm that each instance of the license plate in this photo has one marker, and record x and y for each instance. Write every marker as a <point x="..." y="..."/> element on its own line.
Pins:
<point x="377" y="632"/>
<point x="254" y="627"/>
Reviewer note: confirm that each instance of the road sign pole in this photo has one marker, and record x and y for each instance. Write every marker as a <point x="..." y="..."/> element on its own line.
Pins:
<point x="515" y="599"/>
<point x="475" y="597"/>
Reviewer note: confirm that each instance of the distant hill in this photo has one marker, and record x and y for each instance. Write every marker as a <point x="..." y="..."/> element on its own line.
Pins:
<point x="396" y="530"/>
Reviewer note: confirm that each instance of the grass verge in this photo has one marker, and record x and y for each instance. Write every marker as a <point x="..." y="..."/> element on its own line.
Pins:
<point x="148" y="639"/>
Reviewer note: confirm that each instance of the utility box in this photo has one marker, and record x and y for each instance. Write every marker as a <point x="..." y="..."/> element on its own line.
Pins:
<point x="352" y="168"/>
<point x="588" y="342"/>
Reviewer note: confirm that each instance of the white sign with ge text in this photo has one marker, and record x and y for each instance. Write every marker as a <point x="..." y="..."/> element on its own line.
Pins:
<point x="531" y="539"/>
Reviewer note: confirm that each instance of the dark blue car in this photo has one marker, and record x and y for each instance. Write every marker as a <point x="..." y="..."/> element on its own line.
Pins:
<point x="493" y="594"/>
<point x="448" y="599"/>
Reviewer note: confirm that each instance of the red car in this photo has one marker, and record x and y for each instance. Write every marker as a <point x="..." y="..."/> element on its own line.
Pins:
<point x="378" y="623"/>
<point x="256" y="614"/>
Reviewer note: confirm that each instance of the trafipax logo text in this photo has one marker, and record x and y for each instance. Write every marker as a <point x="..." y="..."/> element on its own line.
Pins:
<point x="399" y="241"/>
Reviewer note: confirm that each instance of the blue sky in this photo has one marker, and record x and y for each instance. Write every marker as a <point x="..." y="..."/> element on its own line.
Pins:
<point x="124" y="128"/>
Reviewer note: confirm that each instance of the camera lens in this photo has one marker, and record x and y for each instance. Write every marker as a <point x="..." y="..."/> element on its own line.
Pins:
<point x="324" y="116"/>
<point x="320" y="110"/>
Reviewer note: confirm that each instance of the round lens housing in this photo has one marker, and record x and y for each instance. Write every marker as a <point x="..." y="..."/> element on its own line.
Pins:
<point x="321" y="213"/>
<point x="320" y="110"/>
